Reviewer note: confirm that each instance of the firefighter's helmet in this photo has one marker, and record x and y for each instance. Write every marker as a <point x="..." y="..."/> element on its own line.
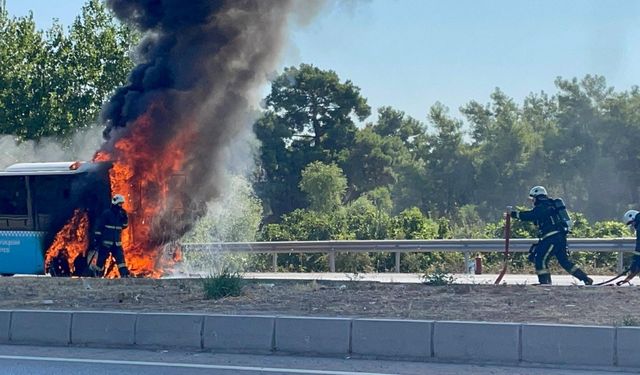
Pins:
<point x="537" y="191"/>
<point x="629" y="216"/>
<point x="117" y="199"/>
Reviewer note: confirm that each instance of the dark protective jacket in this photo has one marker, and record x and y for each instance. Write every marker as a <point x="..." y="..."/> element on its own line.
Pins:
<point x="109" y="227"/>
<point x="544" y="215"/>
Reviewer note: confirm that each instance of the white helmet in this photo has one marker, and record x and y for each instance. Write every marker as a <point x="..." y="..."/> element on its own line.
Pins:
<point x="629" y="216"/>
<point x="536" y="191"/>
<point x="117" y="199"/>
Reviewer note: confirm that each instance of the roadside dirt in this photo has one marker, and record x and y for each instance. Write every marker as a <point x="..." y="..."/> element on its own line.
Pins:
<point x="504" y="303"/>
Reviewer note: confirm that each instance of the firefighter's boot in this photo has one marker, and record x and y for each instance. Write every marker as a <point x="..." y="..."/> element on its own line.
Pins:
<point x="580" y="275"/>
<point x="124" y="271"/>
<point x="544" y="279"/>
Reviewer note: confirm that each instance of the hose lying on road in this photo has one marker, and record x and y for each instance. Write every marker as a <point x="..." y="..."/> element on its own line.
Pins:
<point x="616" y="277"/>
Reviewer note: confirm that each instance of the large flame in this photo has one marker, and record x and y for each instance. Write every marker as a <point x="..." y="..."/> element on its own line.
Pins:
<point x="144" y="174"/>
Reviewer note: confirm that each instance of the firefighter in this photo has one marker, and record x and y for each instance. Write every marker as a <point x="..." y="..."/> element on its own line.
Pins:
<point x="108" y="233"/>
<point x="553" y="225"/>
<point x="632" y="219"/>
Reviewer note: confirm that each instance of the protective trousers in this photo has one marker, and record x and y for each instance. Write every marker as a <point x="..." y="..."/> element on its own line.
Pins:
<point x="555" y="245"/>
<point x="118" y="254"/>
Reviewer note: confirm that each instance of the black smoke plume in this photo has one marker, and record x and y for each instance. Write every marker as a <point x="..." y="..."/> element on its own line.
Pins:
<point x="200" y="61"/>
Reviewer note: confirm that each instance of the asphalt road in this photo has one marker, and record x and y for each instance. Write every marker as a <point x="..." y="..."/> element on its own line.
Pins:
<point x="33" y="360"/>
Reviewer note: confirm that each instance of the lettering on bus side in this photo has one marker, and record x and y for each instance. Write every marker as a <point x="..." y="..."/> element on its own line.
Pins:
<point x="5" y="250"/>
<point x="9" y="242"/>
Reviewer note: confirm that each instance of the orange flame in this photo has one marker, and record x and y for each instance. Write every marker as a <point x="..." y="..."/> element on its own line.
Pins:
<point x="74" y="237"/>
<point x="144" y="173"/>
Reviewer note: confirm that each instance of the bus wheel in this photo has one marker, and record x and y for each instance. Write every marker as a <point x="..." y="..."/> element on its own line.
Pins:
<point x="7" y="274"/>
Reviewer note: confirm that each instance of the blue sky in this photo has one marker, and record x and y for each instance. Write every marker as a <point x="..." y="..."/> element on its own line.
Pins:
<point x="411" y="53"/>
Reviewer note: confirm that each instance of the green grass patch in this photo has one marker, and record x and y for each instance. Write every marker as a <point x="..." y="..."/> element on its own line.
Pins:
<point x="223" y="285"/>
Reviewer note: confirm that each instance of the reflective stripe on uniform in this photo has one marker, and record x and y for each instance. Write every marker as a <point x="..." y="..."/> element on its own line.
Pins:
<point x="112" y="227"/>
<point x="636" y="252"/>
<point x="544" y="271"/>
<point x="546" y="257"/>
<point x="122" y="265"/>
<point x="574" y="269"/>
<point x="107" y="243"/>
<point x="550" y="234"/>
<point x="97" y="233"/>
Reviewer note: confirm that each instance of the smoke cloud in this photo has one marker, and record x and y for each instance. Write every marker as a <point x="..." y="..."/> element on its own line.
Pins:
<point x="200" y="65"/>
<point x="81" y="147"/>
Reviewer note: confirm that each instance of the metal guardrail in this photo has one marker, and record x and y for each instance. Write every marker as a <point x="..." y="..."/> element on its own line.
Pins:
<point x="466" y="246"/>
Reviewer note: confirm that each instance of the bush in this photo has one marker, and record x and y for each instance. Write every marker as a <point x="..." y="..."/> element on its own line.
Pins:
<point x="223" y="285"/>
<point x="437" y="278"/>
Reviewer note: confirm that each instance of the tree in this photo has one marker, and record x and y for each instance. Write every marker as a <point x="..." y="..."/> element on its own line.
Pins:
<point x="324" y="185"/>
<point x="620" y="136"/>
<point x="308" y="118"/>
<point x="450" y="172"/>
<point x="502" y="145"/>
<point x="317" y="107"/>
<point x="370" y="163"/>
<point x="53" y="83"/>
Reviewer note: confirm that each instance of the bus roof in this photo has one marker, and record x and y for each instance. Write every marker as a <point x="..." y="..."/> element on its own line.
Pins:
<point x="49" y="168"/>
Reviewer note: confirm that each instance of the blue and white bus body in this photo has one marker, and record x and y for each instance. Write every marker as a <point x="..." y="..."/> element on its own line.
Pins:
<point x="36" y="200"/>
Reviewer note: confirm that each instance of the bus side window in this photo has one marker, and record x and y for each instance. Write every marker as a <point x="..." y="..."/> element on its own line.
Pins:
<point x="13" y="196"/>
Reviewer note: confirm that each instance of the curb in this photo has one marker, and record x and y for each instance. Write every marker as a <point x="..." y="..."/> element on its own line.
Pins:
<point x="416" y="340"/>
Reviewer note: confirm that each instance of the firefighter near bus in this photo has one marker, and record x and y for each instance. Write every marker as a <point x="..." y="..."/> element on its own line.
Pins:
<point x="107" y="237"/>
<point x="553" y="223"/>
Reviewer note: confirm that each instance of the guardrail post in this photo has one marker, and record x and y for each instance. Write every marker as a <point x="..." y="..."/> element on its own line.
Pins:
<point x="275" y="262"/>
<point x="620" y="261"/>
<point x="332" y="261"/>
<point x="397" y="261"/>
<point x="466" y="262"/>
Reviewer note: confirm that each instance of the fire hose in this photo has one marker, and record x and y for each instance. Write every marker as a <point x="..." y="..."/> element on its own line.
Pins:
<point x="624" y="272"/>
<point x="507" y="233"/>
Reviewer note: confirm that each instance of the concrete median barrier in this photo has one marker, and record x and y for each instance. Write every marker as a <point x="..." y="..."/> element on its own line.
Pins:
<point x="568" y="344"/>
<point x="5" y="325"/>
<point x="321" y="336"/>
<point x="103" y="328"/>
<point x="238" y="333"/>
<point x="627" y="340"/>
<point x="41" y="327"/>
<point x="475" y="341"/>
<point x="470" y="342"/>
<point x="386" y="338"/>
<point x="169" y="330"/>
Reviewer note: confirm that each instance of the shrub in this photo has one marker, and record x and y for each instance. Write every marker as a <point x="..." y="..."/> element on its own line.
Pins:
<point x="437" y="278"/>
<point x="223" y="285"/>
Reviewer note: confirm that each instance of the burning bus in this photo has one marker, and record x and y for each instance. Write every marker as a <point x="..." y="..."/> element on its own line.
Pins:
<point x="38" y="200"/>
